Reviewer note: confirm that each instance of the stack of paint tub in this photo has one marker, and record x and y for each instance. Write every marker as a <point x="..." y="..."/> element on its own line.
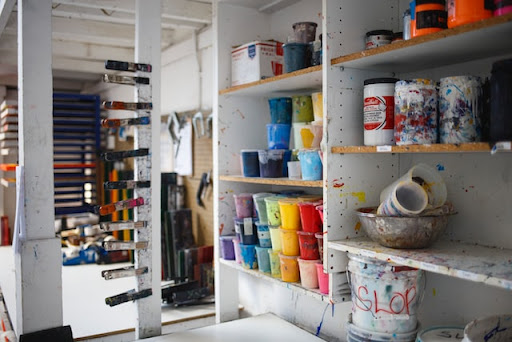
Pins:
<point x="246" y="230"/>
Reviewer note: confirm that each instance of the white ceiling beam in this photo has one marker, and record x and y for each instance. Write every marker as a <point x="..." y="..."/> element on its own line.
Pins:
<point x="190" y="11"/>
<point x="6" y="7"/>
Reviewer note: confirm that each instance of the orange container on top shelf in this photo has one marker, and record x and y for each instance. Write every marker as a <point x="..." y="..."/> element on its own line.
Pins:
<point x="430" y="16"/>
<point x="462" y="12"/>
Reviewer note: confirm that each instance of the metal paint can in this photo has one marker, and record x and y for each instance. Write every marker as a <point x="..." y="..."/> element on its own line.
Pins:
<point x="377" y="38"/>
<point x="460" y="108"/>
<point x="416" y="112"/>
<point x="378" y="111"/>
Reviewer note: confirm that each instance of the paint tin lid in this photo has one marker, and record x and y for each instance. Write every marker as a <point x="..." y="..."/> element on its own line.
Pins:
<point x="379" y="33"/>
<point x="426" y="2"/>
<point x="380" y="80"/>
<point x="441" y="334"/>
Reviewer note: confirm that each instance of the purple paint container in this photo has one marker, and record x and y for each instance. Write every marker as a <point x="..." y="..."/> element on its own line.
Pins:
<point x="227" y="250"/>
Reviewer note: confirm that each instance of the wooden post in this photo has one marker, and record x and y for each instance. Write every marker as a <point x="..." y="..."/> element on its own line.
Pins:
<point x="39" y="260"/>
<point x="147" y="50"/>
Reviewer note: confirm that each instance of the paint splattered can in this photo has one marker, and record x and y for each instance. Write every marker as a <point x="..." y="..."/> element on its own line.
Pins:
<point x="460" y="107"/>
<point x="416" y="112"/>
<point x="377" y="38"/>
<point x="378" y="111"/>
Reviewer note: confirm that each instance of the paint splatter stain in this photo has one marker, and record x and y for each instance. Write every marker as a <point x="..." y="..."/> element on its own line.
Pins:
<point x="240" y="113"/>
<point x="361" y="196"/>
<point x="434" y="291"/>
<point x="337" y="185"/>
<point x="389" y="288"/>
<point x="221" y="228"/>
<point x="440" y="167"/>
<point x="357" y="227"/>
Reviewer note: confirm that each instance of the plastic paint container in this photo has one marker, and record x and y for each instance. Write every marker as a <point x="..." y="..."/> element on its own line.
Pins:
<point x="275" y="264"/>
<point x="441" y="334"/>
<point x="271" y="163"/>
<point x="323" y="278"/>
<point x="501" y="101"/>
<point x="310" y="220"/>
<point x="308" y="245"/>
<point x="460" y="109"/>
<point x="502" y="7"/>
<point x="379" y="111"/>
<point x="297" y="138"/>
<point x="278" y="136"/>
<point x="412" y="9"/>
<point x="304" y="32"/>
<point x="430" y="17"/>
<point x="462" y="12"/>
<point x="311" y="135"/>
<point x="302" y="108"/>
<point x="250" y="163"/>
<point x="280" y="110"/>
<point x="310" y="164"/>
<point x="275" y="238"/>
<point x="320" y="240"/>
<point x="407" y="198"/>
<point x="310" y="198"/>
<point x="290" y="217"/>
<point x="385" y="296"/>
<point x="289" y="242"/>
<point x="407" y="24"/>
<point x="273" y="213"/>
<point x="416" y="112"/>
<point x="261" y="208"/>
<point x="243" y="205"/>
<point x="295" y="56"/>
<point x="377" y="38"/>
<point x="263" y="259"/>
<point x="308" y="276"/>
<point x="320" y="210"/>
<point x="263" y="235"/>
<point x="246" y="231"/>
<point x="249" y="259"/>
<point x="318" y="106"/>
<point x="289" y="268"/>
<point x="227" y="250"/>
<point x="238" y="252"/>
<point x="429" y="178"/>
<point x="294" y="171"/>
<point x="358" y="334"/>
<point x="287" y="156"/>
<point x="496" y="328"/>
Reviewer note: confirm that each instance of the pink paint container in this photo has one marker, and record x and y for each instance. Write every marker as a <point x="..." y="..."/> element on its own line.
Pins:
<point x="308" y="276"/>
<point x="323" y="278"/>
<point x="238" y="252"/>
<point x="502" y="7"/>
<point x="243" y="205"/>
<point x="320" y="210"/>
<point x="320" y="240"/>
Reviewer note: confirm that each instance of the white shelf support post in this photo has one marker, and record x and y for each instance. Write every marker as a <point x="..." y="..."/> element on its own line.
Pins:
<point x="147" y="50"/>
<point x="39" y="258"/>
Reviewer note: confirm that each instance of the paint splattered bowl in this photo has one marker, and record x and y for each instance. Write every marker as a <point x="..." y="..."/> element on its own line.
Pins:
<point x="405" y="232"/>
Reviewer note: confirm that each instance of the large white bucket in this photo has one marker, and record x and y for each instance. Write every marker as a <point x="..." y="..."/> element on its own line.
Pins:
<point x="497" y="328"/>
<point x="385" y="296"/>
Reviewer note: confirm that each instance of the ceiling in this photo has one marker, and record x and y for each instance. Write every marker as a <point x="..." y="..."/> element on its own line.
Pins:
<point x="87" y="32"/>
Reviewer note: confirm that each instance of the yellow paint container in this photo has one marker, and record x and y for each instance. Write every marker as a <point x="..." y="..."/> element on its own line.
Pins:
<point x="289" y="268"/>
<point x="290" y="216"/>
<point x="289" y="242"/>
<point x="275" y="263"/>
<point x="275" y="238"/>
<point x="318" y="106"/>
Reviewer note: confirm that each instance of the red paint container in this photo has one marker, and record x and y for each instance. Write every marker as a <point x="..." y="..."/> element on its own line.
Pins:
<point x="5" y="233"/>
<point x="308" y="245"/>
<point x="320" y="239"/>
<point x="309" y="217"/>
<point x="462" y="12"/>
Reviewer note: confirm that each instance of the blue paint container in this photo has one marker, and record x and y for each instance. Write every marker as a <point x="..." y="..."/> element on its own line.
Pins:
<point x="280" y="110"/>
<point x="287" y="156"/>
<point x="278" y="136"/>
<point x="246" y="230"/>
<point x="263" y="258"/>
<point x="501" y="101"/>
<point x="249" y="256"/>
<point x="310" y="164"/>
<point x="296" y="56"/>
<point x="263" y="235"/>
<point x="250" y="163"/>
<point x="271" y="163"/>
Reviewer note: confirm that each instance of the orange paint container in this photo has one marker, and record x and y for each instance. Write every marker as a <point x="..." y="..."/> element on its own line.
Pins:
<point x="462" y="12"/>
<point x="430" y="16"/>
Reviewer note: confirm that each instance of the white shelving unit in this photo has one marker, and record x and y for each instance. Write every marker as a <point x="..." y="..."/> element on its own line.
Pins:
<point x="477" y="245"/>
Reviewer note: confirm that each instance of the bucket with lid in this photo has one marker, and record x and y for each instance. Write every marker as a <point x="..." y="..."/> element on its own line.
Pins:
<point x="496" y="328"/>
<point x="308" y="245"/>
<point x="289" y="209"/>
<point x="263" y="235"/>
<point x="278" y="136"/>
<point x="305" y="31"/>
<point x="441" y="334"/>
<point x="310" y="164"/>
<point x="289" y="268"/>
<point x="302" y="108"/>
<point x="259" y="203"/>
<point x="249" y="259"/>
<point x="307" y="271"/>
<point x="280" y="110"/>
<point x="250" y="163"/>
<point x="289" y="242"/>
<point x="358" y="334"/>
<point x="263" y="259"/>
<point x="243" y="205"/>
<point x="271" y="163"/>
<point x="273" y="212"/>
<point x="275" y="238"/>
<point x="379" y="111"/>
<point x="385" y="296"/>
<point x="246" y="230"/>
<point x="323" y="278"/>
<point x="309" y="217"/>
<point x="275" y="263"/>
<point x="227" y="250"/>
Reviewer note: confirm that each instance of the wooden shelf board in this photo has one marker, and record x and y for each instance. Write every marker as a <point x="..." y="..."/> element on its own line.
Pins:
<point x="8" y="151"/>
<point x="434" y="148"/>
<point x="488" y="265"/>
<point x="309" y="79"/>
<point x="8" y="182"/>
<point x="272" y="181"/>
<point x="297" y="287"/>
<point x="481" y="39"/>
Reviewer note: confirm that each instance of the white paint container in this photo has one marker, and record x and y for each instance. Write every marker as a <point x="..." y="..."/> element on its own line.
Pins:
<point x="297" y="138"/>
<point x="497" y="328"/>
<point x="406" y="198"/>
<point x="429" y="178"/>
<point x="385" y="296"/>
<point x="294" y="170"/>
<point x="356" y="334"/>
<point x="379" y="111"/>
<point x="441" y="334"/>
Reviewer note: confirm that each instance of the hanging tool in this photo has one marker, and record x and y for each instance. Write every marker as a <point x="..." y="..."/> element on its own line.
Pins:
<point x="127" y="296"/>
<point x="127" y="66"/>
<point x="203" y="187"/>
<point x="174" y="127"/>
<point x="209" y="125"/>
<point x="198" y="130"/>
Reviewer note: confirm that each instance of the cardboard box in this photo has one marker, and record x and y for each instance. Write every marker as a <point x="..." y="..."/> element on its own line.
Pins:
<point x="255" y="61"/>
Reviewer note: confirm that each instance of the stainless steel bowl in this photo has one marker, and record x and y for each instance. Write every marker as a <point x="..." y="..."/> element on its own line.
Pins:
<point x="404" y="232"/>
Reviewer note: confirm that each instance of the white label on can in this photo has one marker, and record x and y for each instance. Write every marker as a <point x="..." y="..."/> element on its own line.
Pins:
<point x="385" y="148"/>
<point x="248" y="226"/>
<point x="379" y="112"/>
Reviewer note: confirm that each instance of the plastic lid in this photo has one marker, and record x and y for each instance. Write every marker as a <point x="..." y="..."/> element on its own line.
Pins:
<point x="281" y="255"/>
<point x="379" y="33"/>
<point x="380" y="80"/>
<point x="305" y="23"/>
<point x="426" y="2"/>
